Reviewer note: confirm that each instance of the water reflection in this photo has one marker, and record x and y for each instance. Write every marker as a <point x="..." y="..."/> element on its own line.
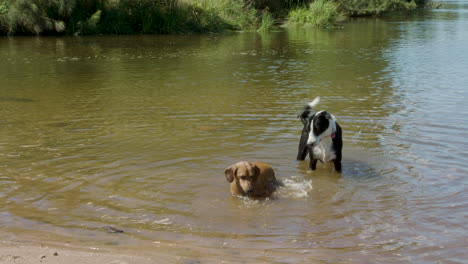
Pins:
<point x="135" y="133"/>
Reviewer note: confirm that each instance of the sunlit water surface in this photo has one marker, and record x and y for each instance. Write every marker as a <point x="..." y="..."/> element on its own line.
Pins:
<point x="135" y="133"/>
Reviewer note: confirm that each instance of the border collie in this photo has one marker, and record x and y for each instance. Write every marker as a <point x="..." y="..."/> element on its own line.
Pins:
<point x="321" y="137"/>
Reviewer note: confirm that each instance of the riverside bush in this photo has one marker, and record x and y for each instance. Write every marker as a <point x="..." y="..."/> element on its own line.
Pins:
<point x="326" y="13"/>
<point x="267" y="24"/>
<point x="376" y="7"/>
<point x="320" y="13"/>
<point x="79" y="17"/>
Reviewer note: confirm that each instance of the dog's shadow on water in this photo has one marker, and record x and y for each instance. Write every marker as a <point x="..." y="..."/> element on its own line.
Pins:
<point x="362" y="171"/>
<point x="365" y="166"/>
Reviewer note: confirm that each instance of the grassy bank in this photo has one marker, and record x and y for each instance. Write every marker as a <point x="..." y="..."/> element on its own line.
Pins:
<point x="320" y="13"/>
<point x="81" y="17"/>
<point x="377" y="7"/>
<point x="326" y="13"/>
<point x="65" y="17"/>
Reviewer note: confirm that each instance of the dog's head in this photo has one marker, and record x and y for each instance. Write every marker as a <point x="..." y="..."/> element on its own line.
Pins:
<point x="322" y="124"/>
<point x="245" y="174"/>
<point x="317" y="124"/>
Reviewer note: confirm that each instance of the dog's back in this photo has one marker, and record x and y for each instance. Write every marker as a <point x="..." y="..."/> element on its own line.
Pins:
<point x="267" y="174"/>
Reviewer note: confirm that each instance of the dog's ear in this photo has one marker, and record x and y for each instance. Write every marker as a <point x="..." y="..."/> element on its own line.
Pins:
<point x="255" y="170"/>
<point x="229" y="173"/>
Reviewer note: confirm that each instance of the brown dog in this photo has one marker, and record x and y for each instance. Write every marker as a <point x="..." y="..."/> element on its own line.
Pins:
<point x="252" y="179"/>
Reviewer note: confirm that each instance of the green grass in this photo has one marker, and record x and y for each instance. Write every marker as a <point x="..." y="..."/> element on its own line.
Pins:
<point x="82" y="17"/>
<point x="377" y="7"/>
<point x="268" y="23"/>
<point x="125" y="16"/>
<point x="320" y="13"/>
<point x="224" y="14"/>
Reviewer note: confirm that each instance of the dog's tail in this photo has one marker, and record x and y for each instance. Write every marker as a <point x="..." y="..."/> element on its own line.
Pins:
<point x="312" y="104"/>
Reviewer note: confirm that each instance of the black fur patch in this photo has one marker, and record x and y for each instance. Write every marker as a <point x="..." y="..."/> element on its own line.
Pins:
<point x="318" y="122"/>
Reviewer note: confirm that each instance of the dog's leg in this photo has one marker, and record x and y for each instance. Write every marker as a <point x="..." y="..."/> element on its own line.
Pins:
<point x="313" y="162"/>
<point x="338" y="146"/>
<point x="337" y="160"/>
<point x="302" y="153"/>
<point x="337" y="164"/>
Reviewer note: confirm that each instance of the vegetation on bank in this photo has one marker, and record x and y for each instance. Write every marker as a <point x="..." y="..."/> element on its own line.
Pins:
<point x="377" y="7"/>
<point x="81" y="17"/>
<point x="320" y="13"/>
<point x="326" y="13"/>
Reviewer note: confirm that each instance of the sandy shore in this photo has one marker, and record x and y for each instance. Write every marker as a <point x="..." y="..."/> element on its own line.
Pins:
<point x="11" y="253"/>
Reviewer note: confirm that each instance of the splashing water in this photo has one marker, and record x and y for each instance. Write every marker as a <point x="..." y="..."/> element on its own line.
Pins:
<point x="295" y="188"/>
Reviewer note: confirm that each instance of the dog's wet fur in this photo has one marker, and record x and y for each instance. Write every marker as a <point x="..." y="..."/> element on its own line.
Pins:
<point x="251" y="179"/>
<point x="321" y="137"/>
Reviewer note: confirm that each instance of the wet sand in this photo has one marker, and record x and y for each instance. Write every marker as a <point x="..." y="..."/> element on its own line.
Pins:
<point x="15" y="253"/>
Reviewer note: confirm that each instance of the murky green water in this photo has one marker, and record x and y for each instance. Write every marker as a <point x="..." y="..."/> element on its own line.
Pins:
<point x="135" y="133"/>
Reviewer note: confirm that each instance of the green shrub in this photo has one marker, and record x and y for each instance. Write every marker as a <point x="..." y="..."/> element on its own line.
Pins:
<point x="320" y="13"/>
<point x="78" y="17"/>
<point x="3" y="7"/>
<point x="175" y="16"/>
<point x="299" y="16"/>
<point x="27" y="16"/>
<point x="267" y="22"/>
<point x="236" y="13"/>
<point x="376" y="7"/>
<point x="46" y="16"/>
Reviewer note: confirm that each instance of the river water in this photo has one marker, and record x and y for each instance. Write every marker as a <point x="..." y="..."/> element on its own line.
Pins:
<point x="135" y="133"/>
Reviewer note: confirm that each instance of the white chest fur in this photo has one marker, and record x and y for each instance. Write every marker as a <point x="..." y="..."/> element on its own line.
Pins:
<point x="324" y="150"/>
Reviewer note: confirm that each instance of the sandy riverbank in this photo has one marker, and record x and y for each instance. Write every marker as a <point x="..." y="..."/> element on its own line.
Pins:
<point x="11" y="253"/>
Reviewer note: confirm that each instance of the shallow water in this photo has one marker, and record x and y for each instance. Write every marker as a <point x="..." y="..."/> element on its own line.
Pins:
<point x="135" y="133"/>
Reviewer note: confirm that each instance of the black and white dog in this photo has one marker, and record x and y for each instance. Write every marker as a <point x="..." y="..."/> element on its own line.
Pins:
<point x="321" y="137"/>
